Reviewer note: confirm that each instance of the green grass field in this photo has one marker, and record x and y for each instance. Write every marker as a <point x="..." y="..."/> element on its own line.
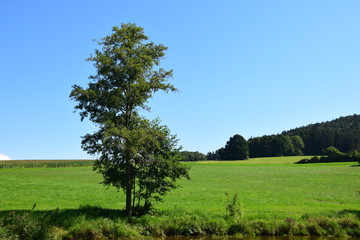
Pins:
<point x="278" y="197"/>
<point x="267" y="187"/>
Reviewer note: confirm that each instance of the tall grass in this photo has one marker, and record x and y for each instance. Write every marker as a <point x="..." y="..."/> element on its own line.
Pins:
<point x="98" y="223"/>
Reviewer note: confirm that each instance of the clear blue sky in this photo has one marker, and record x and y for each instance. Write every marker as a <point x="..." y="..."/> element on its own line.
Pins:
<point x="242" y="67"/>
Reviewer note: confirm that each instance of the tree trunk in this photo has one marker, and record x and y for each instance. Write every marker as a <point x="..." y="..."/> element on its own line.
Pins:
<point x="129" y="186"/>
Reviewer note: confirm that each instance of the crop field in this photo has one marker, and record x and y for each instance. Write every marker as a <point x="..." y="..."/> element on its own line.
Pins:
<point x="267" y="188"/>
<point x="45" y="163"/>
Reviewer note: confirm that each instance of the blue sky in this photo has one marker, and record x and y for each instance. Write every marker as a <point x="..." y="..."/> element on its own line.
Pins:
<point x="242" y="67"/>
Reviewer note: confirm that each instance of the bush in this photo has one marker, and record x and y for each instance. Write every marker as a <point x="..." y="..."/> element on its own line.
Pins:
<point x="315" y="159"/>
<point x="184" y="225"/>
<point x="334" y="155"/>
<point x="216" y="227"/>
<point x="3" y="233"/>
<point x="101" y="228"/>
<point x="350" y="224"/>
<point x="241" y="227"/>
<point x="330" y="226"/>
<point x="234" y="207"/>
<point x="25" y="226"/>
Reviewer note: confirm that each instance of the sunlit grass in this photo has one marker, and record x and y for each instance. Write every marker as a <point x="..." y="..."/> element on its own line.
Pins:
<point x="265" y="189"/>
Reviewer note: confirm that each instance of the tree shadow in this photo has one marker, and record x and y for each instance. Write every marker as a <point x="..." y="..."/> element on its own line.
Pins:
<point x="66" y="217"/>
<point x="355" y="165"/>
<point x="350" y="211"/>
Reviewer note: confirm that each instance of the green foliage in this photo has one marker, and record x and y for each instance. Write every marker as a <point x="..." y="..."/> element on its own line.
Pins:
<point x="192" y="156"/>
<point x="24" y="226"/>
<point x="213" y="155"/>
<point x="298" y="144"/>
<point x="333" y="155"/>
<point x="178" y="222"/>
<point x="236" y="148"/>
<point x="342" y="133"/>
<point x="128" y="73"/>
<point x="332" y="152"/>
<point x="4" y="234"/>
<point x="234" y="207"/>
<point x="99" y="229"/>
<point x="158" y="174"/>
<point x="275" y="145"/>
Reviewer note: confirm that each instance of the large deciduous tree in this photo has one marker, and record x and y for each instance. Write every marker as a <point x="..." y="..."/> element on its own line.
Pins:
<point x="133" y="153"/>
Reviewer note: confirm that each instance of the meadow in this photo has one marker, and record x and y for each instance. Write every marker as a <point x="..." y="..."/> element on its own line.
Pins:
<point x="270" y="190"/>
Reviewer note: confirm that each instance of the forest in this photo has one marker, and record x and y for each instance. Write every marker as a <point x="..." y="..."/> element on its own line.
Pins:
<point x="342" y="133"/>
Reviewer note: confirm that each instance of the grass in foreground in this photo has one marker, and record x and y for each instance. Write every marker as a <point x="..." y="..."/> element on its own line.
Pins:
<point x="316" y="199"/>
<point x="98" y="223"/>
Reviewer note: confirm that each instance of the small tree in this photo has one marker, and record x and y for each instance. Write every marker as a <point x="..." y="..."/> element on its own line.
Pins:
<point x="134" y="154"/>
<point x="234" y="206"/>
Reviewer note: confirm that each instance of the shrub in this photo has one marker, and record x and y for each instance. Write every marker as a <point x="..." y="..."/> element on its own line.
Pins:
<point x="330" y="226"/>
<point x="216" y="227"/>
<point x="350" y="224"/>
<point x="314" y="229"/>
<point x="25" y="226"/>
<point x="185" y="225"/>
<point x="262" y="227"/>
<point x="241" y="227"/>
<point x="334" y="155"/>
<point x="3" y="233"/>
<point x="234" y="207"/>
<point x="101" y="228"/>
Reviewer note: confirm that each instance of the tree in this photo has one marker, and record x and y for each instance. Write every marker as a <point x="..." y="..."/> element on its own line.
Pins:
<point x="192" y="156"/>
<point x="213" y="155"/>
<point x="134" y="154"/>
<point x="333" y="153"/>
<point x="235" y="149"/>
<point x="274" y="146"/>
<point x="298" y="144"/>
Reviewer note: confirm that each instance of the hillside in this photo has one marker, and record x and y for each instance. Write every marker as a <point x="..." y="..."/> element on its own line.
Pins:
<point x="342" y="133"/>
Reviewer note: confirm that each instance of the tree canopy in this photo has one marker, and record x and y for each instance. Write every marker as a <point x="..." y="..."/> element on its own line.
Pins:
<point x="192" y="156"/>
<point x="342" y="133"/>
<point x="275" y="145"/>
<point x="236" y="148"/>
<point x="134" y="154"/>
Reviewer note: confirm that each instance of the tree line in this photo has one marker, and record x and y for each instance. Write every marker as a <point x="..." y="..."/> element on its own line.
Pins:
<point x="342" y="133"/>
<point x="237" y="148"/>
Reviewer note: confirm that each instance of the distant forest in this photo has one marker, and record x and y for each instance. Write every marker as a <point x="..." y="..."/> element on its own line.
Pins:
<point x="342" y="133"/>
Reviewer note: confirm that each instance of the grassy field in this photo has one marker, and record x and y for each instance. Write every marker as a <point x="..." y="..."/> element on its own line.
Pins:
<point x="278" y="197"/>
<point x="266" y="187"/>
